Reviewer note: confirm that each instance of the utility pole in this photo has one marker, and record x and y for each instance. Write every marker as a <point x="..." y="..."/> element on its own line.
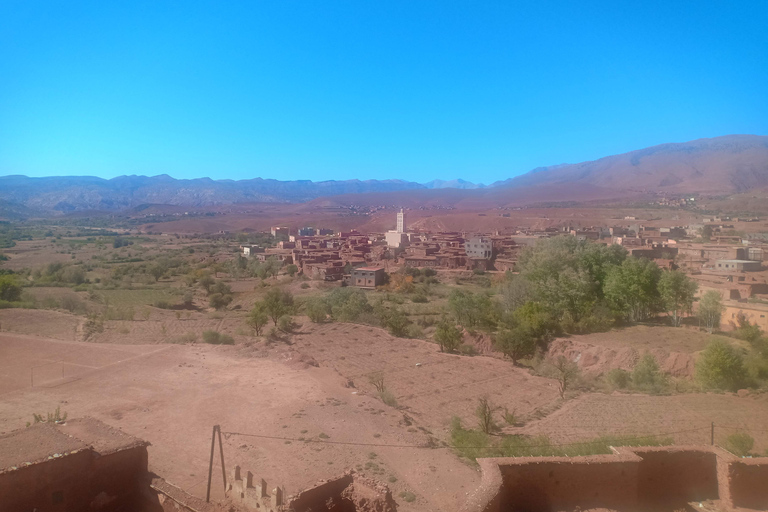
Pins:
<point x="216" y="430"/>
<point x="712" y="435"/>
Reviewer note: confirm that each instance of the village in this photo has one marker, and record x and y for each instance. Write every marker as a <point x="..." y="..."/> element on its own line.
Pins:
<point x="730" y="264"/>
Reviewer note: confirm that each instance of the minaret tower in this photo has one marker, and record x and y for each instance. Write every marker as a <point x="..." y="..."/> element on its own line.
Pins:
<point x="401" y="221"/>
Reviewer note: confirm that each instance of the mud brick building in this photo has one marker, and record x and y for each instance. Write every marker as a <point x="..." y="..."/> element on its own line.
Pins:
<point x="79" y="465"/>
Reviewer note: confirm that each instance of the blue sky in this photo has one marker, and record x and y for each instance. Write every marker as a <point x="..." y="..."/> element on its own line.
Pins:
<point x="415" y="90"/>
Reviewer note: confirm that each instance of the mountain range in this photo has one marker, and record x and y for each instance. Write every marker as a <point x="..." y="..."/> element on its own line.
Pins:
<point x="720" y="165"/>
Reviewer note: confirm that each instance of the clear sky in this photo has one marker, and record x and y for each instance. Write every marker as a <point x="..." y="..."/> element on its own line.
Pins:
<point x="331" y="89"/>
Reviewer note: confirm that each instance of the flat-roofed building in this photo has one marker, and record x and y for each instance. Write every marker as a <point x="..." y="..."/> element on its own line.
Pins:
<point x="366" y="277"/>
<point x="739" y="265"/>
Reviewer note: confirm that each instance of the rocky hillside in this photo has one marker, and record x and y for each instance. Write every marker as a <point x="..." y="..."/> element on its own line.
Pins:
<point x="720" y="165"/>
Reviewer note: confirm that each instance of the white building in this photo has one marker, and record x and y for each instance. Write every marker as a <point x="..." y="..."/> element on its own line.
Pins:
<point x="398" y="237"/>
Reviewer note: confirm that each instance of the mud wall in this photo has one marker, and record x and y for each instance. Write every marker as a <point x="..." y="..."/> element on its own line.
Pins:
<point x="566" y="484"/>
<point x="748" y="483"/>
<point x="671" y="477"/>
<point x="315" y="498"/>
<point x="631" y="479"/>
<point x="119" y="474"/>
<point x="33" y="487"/>
<point x="78" y="481"/>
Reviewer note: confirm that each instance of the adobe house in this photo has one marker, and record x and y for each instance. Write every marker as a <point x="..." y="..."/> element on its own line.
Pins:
<point x="366" y="277"/>
<point x="739" y="265"/>
<point x="82" y="464"/>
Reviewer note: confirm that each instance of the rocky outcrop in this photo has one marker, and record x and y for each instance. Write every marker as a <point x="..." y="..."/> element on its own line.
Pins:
<point x="598" y="359"/>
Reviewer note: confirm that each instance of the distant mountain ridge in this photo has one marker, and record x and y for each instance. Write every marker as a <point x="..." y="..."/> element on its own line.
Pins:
<point x="728" y="164"/>
<point x="75" y="193"/>
<point x="458" y="183"/>
<point x="720" y="165"/>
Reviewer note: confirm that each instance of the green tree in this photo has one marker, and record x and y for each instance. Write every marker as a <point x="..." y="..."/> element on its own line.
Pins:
<point x="219" y="300"/>
<point x="515" y="343"/>
<point x="677" y="291"/>
<point x="566" y="275"/>
<point x="748" y="332"/>
<point x="471" y="310"/>
<point x="291" y="269"/>
<point x="710" y="310"/>
<point x="157" y="270"/>
<point x="396" y="322"/>
<point x="720" y="366"/>
<point x="10" y="290"/>
<point x="348" y="304"/>
<point x="632" y="290"/>
<point x="257" y="318"/>
<point x="317" y="309"/>
<point x="447" y="335"/>
<point x="205" y="282"/>
<point x="277" y="303"/>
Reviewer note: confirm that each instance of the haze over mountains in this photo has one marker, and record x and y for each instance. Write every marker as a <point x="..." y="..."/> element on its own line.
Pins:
<point x="721" y="165"/>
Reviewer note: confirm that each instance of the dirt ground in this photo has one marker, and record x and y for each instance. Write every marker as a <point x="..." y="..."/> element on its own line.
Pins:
<point x="172" y="395"/>
<point x="299" y="396"/>
<point x="687" y="418"/>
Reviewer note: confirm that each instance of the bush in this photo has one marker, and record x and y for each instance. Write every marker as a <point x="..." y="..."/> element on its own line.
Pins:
<point x="216" y="338"/>
<point x="219" y="301"/>
<point x="647" y="376"/>
<point x="317" y="310"/>
<point x="10" y="290"/>
<point x="720" y="366"/>
<point x="388" y="398"/>
<point x="72" y="304"/>
<point x="304" y="286"/>
<point x="739" y="444"/>
<point x="286" y="324"/>
<point x="618" y="378"/>
<point x="447" y="336"/>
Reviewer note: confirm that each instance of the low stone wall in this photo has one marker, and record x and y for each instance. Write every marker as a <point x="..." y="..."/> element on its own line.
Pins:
<point x="632" y="479"/>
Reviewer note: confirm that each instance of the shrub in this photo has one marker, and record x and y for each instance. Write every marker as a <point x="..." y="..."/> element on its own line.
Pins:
<point x="647" y="376"/>
<point x="10" y="290"/>
<point x="72" y="304"/>
<point x="219" y="301"/>
<point x="739" y="444"/>
<point x="304" y="286"/>
<point x="317" y="310"/>
<point x="395" y="321"/>
<point x="720" y="366"/>
<point x="216" y="338"/>
<point x="618" y="378"/>
<point x="190" y="337"/>
<point x="388" y="398"/>
<point x="484" y="412"/>
<point x="286" y="324"/>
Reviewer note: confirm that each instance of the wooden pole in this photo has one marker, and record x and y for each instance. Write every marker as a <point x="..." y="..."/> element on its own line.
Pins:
<point x="210" y="464"/>
<point x="221" y="450"/>
<point x="712" y="436"/>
